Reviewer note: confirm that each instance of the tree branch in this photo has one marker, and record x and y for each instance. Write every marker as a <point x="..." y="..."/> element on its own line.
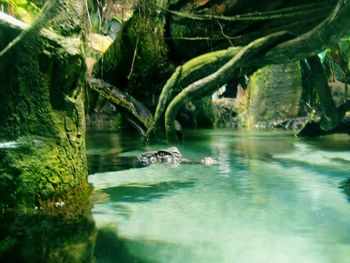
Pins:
<point x="289" y="12"/>
<point x="48" y="12"/>
<point x="123" y="100"/>
<point x="334" y="27"/>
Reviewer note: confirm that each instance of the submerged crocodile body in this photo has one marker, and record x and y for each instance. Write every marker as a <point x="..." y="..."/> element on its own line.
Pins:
<point x="170" y="155"/>
<point x="112" y="162"/>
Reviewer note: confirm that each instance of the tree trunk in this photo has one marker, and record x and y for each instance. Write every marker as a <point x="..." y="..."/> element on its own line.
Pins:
<point x="331" y="116"/>
<point x="42" y="109"/>
<point x="137" y="61"/>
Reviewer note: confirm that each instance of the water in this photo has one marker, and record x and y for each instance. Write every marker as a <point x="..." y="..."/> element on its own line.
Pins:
<point x="270" y="198"/>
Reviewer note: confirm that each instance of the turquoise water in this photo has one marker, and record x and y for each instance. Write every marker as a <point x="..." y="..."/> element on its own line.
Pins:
<point x="271" y="198"/>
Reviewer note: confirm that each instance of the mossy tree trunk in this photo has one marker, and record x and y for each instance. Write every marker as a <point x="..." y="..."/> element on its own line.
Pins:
<point x="137" y="61"/>
<point x="42" y="109"/>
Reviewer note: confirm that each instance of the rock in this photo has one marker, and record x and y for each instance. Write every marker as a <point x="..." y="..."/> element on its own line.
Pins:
<point x="274" y="93"/>
<point x="225" y="113"/>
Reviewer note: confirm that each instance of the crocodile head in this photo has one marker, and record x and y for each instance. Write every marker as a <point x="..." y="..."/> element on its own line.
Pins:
<point x="169" y="155"/>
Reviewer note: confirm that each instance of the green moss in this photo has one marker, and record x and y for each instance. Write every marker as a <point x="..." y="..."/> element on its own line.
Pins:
<point x="274" y="93"/>
<point x="42" y="108"/>
<point x="40" y="171"/>
<point x="137" y="61"/>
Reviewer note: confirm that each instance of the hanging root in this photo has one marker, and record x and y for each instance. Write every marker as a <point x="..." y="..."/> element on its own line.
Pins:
<point x="184" y="75"/>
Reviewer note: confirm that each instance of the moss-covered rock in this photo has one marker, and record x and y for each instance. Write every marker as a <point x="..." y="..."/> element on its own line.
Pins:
<point x="225" y="113"/>
<point x="274" y="93"/>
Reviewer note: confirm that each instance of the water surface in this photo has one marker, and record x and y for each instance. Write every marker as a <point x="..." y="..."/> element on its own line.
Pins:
<point x="271" y="198"/>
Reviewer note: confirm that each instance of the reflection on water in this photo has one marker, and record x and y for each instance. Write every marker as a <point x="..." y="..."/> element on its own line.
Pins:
<point x="54" y="237"/>
<point x="112" y="162"/>
<point x="271" y="198"/>
<point x="112" y="249"/>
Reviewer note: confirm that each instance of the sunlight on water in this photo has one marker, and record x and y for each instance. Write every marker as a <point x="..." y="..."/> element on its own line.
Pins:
<point x="271" y="198"/>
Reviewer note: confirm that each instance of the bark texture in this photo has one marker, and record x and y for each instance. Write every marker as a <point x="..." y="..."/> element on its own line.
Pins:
<point x="42" y="109"/>
<point x="122" y="100"/>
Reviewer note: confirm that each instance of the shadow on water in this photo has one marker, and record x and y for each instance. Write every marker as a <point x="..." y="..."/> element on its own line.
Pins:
<point x="113" y="142"/>
<point x="335" y="142"/>
<point x="319" y="169"/>
<point x="345" y="185"/>
<point x="111" y="249"/>
<point x="109" y="246"/>
<point x="145" y="193"/>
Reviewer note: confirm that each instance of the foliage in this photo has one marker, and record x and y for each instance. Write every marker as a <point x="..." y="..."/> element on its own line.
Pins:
<point x="337" y="61"/>
<point x="22" y="9"/>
